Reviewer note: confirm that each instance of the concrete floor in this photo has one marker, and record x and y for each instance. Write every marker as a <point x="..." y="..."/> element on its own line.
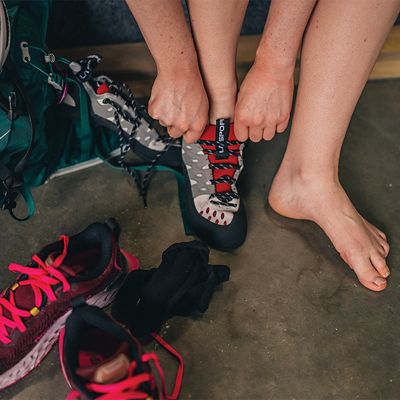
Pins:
<point x="293" y="323"/>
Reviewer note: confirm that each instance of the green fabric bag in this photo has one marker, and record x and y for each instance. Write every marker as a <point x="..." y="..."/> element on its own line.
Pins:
<point x="40" y="138"/>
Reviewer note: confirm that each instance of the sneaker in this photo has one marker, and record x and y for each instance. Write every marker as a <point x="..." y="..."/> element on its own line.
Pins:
<point x="101" y="360"/>
<point x="88" y="266"/>
<point x="212" y="167"/>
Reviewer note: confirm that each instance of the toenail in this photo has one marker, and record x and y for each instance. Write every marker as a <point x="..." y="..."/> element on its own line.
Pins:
<point x="386" y="274"/>
<point x="379" y="281"/>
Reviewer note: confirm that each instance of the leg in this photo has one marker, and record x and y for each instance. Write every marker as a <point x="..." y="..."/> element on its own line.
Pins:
<point x="213" y="164"/>
<point x="216" y="28"/>
<point x="340" y="47"/>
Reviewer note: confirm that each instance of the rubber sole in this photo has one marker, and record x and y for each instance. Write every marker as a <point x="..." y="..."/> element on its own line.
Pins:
<point x="220" y="237"/>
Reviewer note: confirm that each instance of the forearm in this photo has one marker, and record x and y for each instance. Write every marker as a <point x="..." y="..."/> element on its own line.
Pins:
<point x="166" y="33"/>
<point x="283" y="32"/>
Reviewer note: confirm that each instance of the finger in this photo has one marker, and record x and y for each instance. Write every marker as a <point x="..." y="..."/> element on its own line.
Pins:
<point x="281" y="127"/>
<point x="241" y="131"/>
<point x="268" y="133"/>
<point x="191" y="137"/>
<point x="196" y="129"/>
<point x="255" y="134"/>
<point x="150" y="109"/>
<point x="162" y="123"/>
<point x="174" y="132"/>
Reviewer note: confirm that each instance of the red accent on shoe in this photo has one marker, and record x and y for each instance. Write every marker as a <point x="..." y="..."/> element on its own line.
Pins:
<point x="41" y="280"/>
<point x="132" y="261"/>
<point x="103" y="88"/>
<point x="33" y="307"/>
<point x="122" y="373"/>
<point x="210" y="135"/>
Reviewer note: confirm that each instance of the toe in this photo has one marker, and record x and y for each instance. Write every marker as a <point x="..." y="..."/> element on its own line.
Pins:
<point x="368" y="275"/>
<point x="381" y="234"/>
<point x="381" y="246"/>
<point x="385" y="246"/>
<point x="380" y="265"/>
<point x="377" y="231"/>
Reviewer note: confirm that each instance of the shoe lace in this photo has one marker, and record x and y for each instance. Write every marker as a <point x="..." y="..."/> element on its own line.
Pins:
<point x="41" y="278"/>
<point x="132" y="387"/>
<point x="209" y="147"/>
<point x="126" y="140"/>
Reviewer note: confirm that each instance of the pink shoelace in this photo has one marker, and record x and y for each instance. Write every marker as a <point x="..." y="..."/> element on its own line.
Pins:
<point x="41" y="279"/>
<point x="128" y="389"/>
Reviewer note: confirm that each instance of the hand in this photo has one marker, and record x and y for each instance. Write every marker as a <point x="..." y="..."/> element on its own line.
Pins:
<point x="179" y="102"/>
<point x="264" y="104"/>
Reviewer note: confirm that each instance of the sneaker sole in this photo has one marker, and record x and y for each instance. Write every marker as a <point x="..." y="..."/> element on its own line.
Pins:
<point x="48" y="340"/>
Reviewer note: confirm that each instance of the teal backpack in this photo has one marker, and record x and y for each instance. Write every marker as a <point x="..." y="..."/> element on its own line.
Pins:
<point x="37" y="137"/>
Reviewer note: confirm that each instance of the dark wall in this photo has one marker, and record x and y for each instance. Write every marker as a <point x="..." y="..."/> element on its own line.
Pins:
<point x="94" y="22"/>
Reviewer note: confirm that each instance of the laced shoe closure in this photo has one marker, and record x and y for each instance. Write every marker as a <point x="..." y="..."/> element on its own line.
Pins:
<point x="42" y="278"/>
<point x="213" y="166"/>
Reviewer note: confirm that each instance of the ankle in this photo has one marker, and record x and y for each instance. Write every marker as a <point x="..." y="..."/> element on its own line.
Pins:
<point x="307" y="175"/>
<point x="222" y="103"/>
<point x="295" y="189"/>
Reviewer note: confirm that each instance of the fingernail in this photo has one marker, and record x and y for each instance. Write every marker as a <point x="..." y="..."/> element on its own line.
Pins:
<point x="379" y="281"/>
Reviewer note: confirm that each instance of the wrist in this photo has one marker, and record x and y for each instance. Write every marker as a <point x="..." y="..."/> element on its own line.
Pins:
<point x="275" y="63"/>
<point x="181" y="63"/>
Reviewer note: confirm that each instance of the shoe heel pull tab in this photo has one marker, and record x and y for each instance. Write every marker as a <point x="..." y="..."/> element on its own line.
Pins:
<point x="78" y="302"/>
<point x="114" y="227"/>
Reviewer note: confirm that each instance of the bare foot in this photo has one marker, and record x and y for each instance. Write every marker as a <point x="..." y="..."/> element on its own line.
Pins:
<point x="361" y="245"/>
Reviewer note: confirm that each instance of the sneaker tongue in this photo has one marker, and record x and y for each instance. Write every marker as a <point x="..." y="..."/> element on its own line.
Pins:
<point x="68" y="270"/>
<point x="109" y="370"/>
<point x="24" y="297"/>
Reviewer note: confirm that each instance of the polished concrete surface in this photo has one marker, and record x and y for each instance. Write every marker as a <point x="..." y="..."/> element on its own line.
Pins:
<point x="293" y="322"/>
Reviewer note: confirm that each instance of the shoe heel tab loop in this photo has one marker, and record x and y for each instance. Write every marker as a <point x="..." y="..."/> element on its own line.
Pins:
<point x="114" y="227"/>
<point x="78" y="302"/>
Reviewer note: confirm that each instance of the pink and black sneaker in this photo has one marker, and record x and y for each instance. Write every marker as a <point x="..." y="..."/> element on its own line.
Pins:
<point x="101" y="360"/>
<point x="88" y="266"/>
<point x="212" y="167"/>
